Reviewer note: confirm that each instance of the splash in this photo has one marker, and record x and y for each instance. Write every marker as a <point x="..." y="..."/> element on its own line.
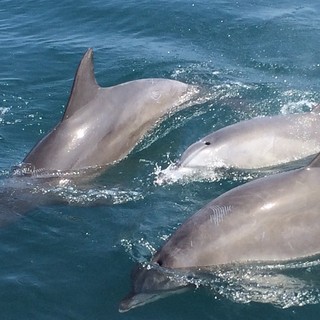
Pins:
<point x="3" y="111"/>
<point x="62" y="188"/>
<point x="218" y="171"/>
<point x="93" y="196"/>
<point x="298" y="106"/>
<point x="174" y="174"/>
<point x="139" y="250"/>
<point x="283" y="285"/>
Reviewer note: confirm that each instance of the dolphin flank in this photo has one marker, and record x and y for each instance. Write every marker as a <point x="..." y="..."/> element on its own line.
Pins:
<point x="275" y="218"/>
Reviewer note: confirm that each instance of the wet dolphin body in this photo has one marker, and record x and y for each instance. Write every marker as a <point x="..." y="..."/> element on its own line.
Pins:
<point x="256" y="143"/>
<point x="275" y="218"/>
<point x="102" y="125"/>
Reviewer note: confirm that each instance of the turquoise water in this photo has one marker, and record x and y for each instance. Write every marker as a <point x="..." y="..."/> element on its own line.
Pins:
<point x="74" y="261"/>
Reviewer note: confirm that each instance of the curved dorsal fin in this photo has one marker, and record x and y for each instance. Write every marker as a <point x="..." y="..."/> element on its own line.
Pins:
<point x="316" y="108"/>
<point x="315" y="163"/>
<point x="84" y="87"/>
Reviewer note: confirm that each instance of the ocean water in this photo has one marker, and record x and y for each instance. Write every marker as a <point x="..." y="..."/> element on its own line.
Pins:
<point x="73" y="260"/>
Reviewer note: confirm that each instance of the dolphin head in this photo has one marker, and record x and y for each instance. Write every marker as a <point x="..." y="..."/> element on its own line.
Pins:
<point x="207" y="153"/>
<point x="150" y="283"/>
<point x="202" y="153"/>
<point x="158" y="96"/>
<point x="164" y="94"/>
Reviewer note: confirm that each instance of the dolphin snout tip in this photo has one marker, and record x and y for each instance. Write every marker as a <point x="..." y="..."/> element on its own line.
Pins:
<point x="124" y="305"/>
<point x="131" y="301"/>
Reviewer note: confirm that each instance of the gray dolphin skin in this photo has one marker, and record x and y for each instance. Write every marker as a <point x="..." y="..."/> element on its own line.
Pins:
<point x="101" y="126"/>
<point x="256" y="143"/>
<point x="275" y="218"/>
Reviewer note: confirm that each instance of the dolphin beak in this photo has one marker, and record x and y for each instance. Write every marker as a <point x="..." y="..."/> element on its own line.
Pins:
<point x="133" y="300"/>
<point x="150" y="284"/>
<point x="136" y="300"/>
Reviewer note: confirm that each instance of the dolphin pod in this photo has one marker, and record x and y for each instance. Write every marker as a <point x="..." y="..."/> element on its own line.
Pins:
<point x="101" y="126"/>
<point x="257" y="143"/>
<point x="275" y="218"/>
<point x="262" y="220"/>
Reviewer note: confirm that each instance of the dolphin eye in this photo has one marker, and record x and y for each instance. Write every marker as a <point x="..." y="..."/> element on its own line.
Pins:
<point x="207" y="143"/>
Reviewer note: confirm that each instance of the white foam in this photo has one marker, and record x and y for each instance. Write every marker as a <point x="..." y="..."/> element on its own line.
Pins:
<point x="297" y="106"/>
<point x="174" y="174"/>
<point x="269" y="283"/>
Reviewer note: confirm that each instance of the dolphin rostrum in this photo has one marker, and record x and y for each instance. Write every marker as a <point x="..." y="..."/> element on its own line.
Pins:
<point x="275" y="218"/>
<point x="102" y="125"/>
<point x="257" y="143"/>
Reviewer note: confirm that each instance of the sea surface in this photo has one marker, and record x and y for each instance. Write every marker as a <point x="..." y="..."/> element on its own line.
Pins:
<point x="72" y="259"/>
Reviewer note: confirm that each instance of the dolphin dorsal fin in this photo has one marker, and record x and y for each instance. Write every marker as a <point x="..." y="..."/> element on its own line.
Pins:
<point x="316" y="108"/>
<point x="84" y="87"/>
<point x="315" y="163"/>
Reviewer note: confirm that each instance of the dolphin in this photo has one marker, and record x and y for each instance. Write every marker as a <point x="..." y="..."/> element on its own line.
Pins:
<point x="100" y="126"/>
<point x="257" y="143"/>
<point x="271" y="219"/>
